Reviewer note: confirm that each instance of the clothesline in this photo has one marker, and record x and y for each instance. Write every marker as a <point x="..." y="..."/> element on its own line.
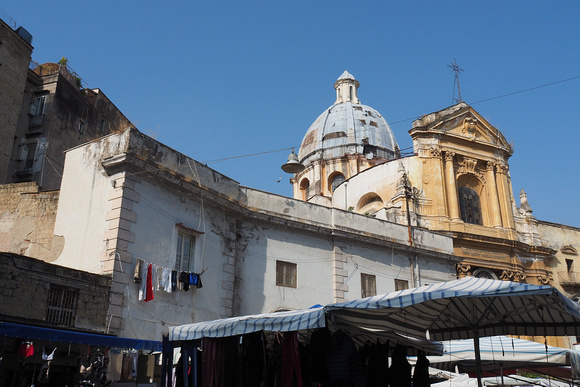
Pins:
<point x="152" y="277"/>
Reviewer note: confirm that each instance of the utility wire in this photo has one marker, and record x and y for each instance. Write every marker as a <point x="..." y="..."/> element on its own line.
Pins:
<point x="253" y="154"/>
<point x="501" y="96"/>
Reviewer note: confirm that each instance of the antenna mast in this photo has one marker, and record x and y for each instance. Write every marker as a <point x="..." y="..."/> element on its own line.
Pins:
<point x="456" y="69"/>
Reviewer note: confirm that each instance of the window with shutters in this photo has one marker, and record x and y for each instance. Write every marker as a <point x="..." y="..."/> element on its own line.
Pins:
<point x="286" y="274"/>
<point x="401" y="284"/>
<point x="61" y="306"/>
<point x="368" y="286"/>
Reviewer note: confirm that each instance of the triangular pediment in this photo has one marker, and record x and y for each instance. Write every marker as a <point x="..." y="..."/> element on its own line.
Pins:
<point x="461" y="123"/>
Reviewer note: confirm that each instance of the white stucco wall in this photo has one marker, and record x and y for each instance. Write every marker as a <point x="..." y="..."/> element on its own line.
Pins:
<point x="82" y="208"/>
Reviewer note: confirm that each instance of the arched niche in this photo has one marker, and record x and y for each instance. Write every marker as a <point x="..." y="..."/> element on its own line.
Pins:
<point x="369" y="203"/>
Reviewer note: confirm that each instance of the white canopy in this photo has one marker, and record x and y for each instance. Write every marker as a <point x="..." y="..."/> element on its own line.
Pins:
<point x="499" y="351"/>
<point x="464" y="308"/>
<point x="295" y="320"/>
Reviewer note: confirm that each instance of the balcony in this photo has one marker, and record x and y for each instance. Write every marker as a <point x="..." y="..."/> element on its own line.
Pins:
<point x="569" y="278"/>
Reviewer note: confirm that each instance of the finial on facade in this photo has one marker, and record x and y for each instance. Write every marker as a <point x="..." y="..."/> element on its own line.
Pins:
<point x="525" y="207"/>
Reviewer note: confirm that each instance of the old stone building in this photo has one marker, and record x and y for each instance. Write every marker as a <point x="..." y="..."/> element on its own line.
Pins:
<point x="179" y="242"/>
<point x="15" y="54"/>
<point x="46" y="109"/>
<point x="457" y="182"/>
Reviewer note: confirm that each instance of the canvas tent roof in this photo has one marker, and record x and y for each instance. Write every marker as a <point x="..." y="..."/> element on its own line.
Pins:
<point x="461" y="308"/>
<point x="499" y="351"/>
<point x="273" y="322"/>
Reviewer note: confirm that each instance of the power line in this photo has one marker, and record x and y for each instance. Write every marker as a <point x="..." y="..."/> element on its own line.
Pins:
<point x="501" y="96"/>
<point x="240" y="156"/>
<point x="409" y="119"/>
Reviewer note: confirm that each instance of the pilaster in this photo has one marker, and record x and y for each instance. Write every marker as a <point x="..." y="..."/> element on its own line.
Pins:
<point x="493" y="196"/>
<point x="451" y="188"/>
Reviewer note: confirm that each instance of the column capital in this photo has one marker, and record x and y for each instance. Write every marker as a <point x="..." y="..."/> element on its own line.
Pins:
<point x="449" y="156"/>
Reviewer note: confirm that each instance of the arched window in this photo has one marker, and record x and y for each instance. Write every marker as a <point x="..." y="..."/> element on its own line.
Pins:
<point x="484" y="273"/>
<point x="336" y="181"/>
<point x="304" y="188"/>
<point x="470" y="206"/>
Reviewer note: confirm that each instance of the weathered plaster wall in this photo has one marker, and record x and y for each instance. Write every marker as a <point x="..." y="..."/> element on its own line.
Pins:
<point x="263" y="245"/>
<point x="82" y="209"/>
<point x="27" y="219"/>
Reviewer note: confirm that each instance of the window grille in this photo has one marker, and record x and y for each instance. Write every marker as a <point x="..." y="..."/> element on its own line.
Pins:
<point x="61" y="306"/>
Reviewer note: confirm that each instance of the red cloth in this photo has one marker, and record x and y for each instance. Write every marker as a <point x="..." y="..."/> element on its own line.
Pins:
<point x="25" y="349"/>
<point x="149" y="291"/>
<point x="291" y="360"/>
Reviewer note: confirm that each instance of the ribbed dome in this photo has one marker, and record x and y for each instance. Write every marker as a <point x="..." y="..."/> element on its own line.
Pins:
<point x="347" y="127"/>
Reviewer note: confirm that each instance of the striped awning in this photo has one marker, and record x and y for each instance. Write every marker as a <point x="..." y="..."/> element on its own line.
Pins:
<point x="463" y="308"/>
<point x="497" y="352"/>
<point x="288" y="321"/>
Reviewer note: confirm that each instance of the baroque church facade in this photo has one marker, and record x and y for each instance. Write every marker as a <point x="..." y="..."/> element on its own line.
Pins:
<point x="456" y="182"/>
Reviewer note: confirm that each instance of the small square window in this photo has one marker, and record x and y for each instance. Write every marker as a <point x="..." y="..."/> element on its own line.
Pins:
<point x="61" y="306"/>
<point x="401" y="284"/>
<point x="368" y="286"/>
<point x="286" y="274"/>
<point x="81" y="126"/>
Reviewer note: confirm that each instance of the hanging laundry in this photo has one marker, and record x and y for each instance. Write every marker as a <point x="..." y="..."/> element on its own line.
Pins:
<point x="195" y="280"/>
<point x="149" y="291"/>
<point x="173" y="281"/>
<point x="25" y="349"/>
<point x="45" y="368"/>
<point x="166" y="279"/>
<point x="137" y="277"/>
<point x="143" y="286"/>
<point x="184" y="279"/>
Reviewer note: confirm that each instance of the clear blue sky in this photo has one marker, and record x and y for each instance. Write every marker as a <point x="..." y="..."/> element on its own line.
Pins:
<point x="216" y="79"/>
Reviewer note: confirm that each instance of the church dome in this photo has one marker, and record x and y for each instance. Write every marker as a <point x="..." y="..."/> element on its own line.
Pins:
<point x="347" y="128"/>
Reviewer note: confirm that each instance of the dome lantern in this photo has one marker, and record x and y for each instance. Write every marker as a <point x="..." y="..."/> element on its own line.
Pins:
<point x="346" y="88"/>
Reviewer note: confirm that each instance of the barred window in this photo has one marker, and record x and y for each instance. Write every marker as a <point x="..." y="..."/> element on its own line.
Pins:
<point x="286" y="274"/>
<point x="61" y="306"/>
<point x="368" y="284"/>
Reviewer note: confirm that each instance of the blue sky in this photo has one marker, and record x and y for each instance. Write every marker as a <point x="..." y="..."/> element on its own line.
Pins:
<point x="217" y="79"/>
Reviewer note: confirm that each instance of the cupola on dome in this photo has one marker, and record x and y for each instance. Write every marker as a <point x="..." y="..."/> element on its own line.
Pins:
<point x="348" y="127"/>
